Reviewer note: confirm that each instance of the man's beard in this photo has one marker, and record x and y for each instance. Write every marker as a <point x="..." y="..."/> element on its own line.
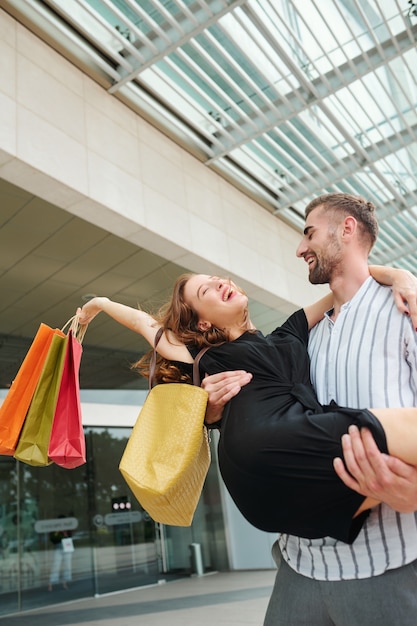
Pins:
<point x="321" y="273"/>
<point x="325" y="266"/>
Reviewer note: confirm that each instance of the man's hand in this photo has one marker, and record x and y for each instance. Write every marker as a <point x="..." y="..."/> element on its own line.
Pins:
<point x="376" y="475"/>
<point x="221" y="388"/>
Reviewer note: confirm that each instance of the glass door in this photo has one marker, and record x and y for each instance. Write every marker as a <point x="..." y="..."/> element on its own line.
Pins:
<point x="124" y="547"/>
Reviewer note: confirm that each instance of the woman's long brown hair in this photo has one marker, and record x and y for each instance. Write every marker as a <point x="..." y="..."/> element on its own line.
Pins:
<point x="179" y="317"/>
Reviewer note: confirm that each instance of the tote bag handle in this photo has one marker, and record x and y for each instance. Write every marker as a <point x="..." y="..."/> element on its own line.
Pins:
<point x="152" y="366"/>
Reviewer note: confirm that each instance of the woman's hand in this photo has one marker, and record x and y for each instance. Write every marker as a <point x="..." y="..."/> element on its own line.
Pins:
<point x="404" y="289"/>
<point x="92" y="308"/>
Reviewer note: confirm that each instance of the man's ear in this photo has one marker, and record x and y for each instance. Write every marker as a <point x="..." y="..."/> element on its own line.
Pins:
<point x="349" y="226"/>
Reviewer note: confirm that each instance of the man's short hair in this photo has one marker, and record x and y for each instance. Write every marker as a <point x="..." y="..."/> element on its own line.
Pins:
<point x="362" y="210"/>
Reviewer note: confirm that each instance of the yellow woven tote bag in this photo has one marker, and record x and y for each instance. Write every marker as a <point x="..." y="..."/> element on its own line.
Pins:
<point x="167" y="457"/>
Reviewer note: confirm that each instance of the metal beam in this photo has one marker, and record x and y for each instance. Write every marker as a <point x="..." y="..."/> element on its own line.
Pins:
<point x="307" y="95"/>
<point x="165" y="48"/>
<point x="339" y="169"/>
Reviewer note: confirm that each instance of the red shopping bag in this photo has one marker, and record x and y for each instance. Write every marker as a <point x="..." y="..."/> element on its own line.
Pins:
<point x="67" y="442"/>
<point x="17" y="401"/>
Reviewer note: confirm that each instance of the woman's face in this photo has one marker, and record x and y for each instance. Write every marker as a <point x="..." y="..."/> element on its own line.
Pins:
<point x="217" y="301"/>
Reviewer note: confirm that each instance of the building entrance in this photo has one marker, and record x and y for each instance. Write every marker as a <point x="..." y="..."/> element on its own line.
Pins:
<point x="67" y="534"/>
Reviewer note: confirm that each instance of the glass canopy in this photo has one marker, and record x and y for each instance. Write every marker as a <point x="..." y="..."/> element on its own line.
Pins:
<point x="286" y="98"/>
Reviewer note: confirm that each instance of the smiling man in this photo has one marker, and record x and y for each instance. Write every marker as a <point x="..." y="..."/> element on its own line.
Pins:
<point x="363" y="353"/>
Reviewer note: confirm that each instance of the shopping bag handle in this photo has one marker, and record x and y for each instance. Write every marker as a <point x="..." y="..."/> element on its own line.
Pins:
<point x="78" y="330"/>
<point x="152" y="365"/>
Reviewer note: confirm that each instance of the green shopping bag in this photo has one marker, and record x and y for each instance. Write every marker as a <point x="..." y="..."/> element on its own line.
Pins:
<point x="32" y="447"/>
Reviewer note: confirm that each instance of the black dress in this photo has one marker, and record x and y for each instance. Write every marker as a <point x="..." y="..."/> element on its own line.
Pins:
<point x="277" y="443"/>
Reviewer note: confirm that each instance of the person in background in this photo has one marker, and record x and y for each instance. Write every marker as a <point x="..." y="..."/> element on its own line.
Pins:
<point x="62" y="557"/>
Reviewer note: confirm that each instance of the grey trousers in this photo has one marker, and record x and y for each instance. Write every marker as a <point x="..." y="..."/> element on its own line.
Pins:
<point x="386" y="600"/>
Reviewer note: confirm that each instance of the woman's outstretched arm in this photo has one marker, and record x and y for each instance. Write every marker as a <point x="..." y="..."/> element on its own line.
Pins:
<point x="139" y="322"/>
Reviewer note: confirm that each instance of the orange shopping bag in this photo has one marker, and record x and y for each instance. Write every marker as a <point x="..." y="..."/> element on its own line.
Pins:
<point x="17" y="401"/>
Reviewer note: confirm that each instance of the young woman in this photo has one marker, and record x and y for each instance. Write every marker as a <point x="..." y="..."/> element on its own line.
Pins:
<point x="277" y="443"/>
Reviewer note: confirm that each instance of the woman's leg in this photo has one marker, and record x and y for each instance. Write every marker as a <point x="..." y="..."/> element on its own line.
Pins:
<point x="400" y="426"/>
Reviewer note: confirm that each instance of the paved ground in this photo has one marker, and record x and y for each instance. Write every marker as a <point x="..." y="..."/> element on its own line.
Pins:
<point x="219" y="599"/>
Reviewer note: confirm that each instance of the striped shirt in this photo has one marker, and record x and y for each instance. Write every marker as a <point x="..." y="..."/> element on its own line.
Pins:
<point x="366" y="358"/>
